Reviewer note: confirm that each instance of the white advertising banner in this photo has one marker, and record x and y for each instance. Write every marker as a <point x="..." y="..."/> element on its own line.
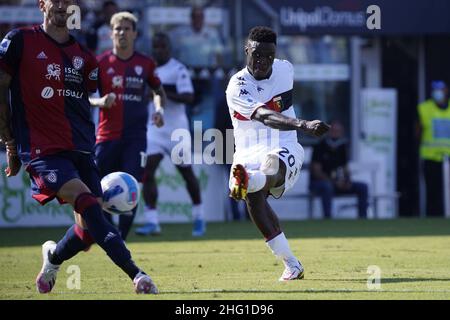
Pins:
<point x="18" y="209"/>
<point x="378" y="145"/>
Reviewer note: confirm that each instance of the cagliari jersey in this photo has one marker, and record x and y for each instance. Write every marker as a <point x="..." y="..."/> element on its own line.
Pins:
<point x="49" y="92"/>
<point x="245" y="94"/>
<point x="128" y="79"/>
<point x="175" y="78"/>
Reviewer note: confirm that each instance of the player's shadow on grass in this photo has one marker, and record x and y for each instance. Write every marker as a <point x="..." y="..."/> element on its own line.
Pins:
<point x="228" y="231"/>
<point x="400" y="280"/>
<point x="386" y="280"/>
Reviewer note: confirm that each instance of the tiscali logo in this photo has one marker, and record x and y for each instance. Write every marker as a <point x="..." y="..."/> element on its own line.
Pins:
<point x="47" y="92"/>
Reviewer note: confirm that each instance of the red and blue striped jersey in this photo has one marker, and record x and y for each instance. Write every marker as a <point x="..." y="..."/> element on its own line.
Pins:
<point x="49" y="92"/>
<point x="127" y="79"/>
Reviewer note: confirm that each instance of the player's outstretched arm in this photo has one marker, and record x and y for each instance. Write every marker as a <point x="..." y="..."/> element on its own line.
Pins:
<point x="281" y="122"/>
<point x="6" y="135"/>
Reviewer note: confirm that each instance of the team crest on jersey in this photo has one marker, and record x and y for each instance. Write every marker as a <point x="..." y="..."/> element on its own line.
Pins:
<point x="138" y="70"/>
<point x="276" y="104"/>
<point x="78" y="62"/>
<point x="110" y="71"/>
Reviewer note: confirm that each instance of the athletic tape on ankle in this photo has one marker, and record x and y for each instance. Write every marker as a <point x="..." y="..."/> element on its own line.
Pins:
<point x="274" y="235"/>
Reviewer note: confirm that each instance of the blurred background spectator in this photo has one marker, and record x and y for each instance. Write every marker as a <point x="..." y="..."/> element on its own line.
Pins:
<point x="196" y="44"/>
<point x="330" y="174"/>
<point x="434" y="132"/>
<point x="98" y="39"/>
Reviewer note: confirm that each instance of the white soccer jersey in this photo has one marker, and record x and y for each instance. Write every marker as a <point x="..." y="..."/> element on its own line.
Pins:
<point x="174" y="76"/>
<point x="245" y="94"/>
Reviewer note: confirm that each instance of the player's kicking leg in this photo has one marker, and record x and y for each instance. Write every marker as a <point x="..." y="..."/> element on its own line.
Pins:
<point x="254" y="187"/>
<point x="77" y="239"/>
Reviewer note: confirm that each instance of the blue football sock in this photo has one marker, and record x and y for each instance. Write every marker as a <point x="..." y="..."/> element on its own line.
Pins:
<point x="108" y="217"/>
<point x="69" y="246"/>
<point x="105" y="234"/>
<point x="125" y="223"/>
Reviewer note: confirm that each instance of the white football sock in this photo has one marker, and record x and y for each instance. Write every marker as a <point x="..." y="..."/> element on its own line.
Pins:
<point x="256" y="180"/>
<point x="151" y="216"/>
<point x="280" y="248"/>
<point x="197" y="212"/>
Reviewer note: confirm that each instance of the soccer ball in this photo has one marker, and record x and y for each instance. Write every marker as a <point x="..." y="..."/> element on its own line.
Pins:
<point x="120" y="193"/>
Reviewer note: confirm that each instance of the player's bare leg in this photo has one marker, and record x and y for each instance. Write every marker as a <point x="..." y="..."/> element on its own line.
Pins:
<point x="193" y="188"/>
<point x="262" y="214"/>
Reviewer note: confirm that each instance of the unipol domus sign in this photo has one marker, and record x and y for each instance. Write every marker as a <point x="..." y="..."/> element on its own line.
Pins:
<point x="362" y="16"/>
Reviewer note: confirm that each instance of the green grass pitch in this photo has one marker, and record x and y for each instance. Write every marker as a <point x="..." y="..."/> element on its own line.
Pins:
<point x="233" y="263"/>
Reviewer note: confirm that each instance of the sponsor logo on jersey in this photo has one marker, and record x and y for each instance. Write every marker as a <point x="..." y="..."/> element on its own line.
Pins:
<point x="4" y="45"/>
<point x="130" y="97"/>
<point x="134" y="82"/>
<point x="243" y="92"/>
<point x="47" y="92"/>
<point x="41" y="56"/>
<point x="138" y="69"/>
<point x="52" y="177"/>
<point x="69" y="93"/>
<point x="53" y="72"/>
<point x="110" y="71"/>
<point x="77" y="62"/>
<point x="72" y="75"/>
<point x="117" y="82"/>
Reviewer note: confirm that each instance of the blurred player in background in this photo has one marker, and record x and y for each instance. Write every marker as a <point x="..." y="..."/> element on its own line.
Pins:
<point x="47" y="127"/>
<point x="98" y="38"/>
<point x="121" y="135"/>
<point x="178" y="87"/>
<point x="268" y="157"/>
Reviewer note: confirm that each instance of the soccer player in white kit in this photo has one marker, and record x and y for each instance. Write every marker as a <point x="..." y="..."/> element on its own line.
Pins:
<point x="268" y="157"/>
<point x="179" y="90"/>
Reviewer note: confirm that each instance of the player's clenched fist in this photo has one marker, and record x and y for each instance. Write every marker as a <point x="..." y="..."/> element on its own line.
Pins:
<point x="13" y="161"/>
<point x="158" y="119"/>
<point x="316" y="128"/>
<point x="109" y="100"/>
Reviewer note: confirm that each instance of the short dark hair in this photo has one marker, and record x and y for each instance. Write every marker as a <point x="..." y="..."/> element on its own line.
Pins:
<point x="109" y="3"/>
<point x="262" y="34"/>
<point x="162" y="35"/>
<point x="195" y="8"/>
